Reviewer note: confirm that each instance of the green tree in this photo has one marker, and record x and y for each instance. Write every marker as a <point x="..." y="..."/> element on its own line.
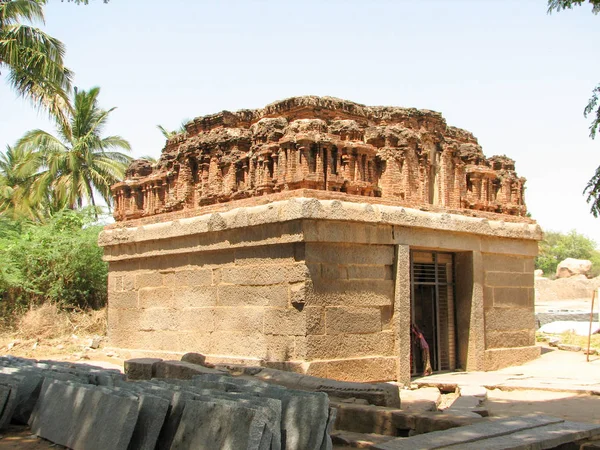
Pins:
<point x="169" y="134"/>
<point x="17" y="170"/>
<point x="78" y="164"/>
<point x="83" y="2"/>
<point x="556" y="247"/>
<point x="592" y="109"/>
<point x="33" y="60"/>
<point x="58" y="261"/>
<point x="559" y="5"/>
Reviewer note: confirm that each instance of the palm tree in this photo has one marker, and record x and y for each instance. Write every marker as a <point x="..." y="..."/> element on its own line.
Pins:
<point x="169" y="134"/>
<point x="79" y="163"/>
<point x="32" y="59"/>
<point x="17" y="174"/>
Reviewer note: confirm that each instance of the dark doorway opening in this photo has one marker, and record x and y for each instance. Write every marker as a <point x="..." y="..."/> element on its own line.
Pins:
<point x="432" y="309"/>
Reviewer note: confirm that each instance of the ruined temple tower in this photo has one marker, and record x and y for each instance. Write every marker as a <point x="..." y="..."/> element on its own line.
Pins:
<point x="312" y="233"/>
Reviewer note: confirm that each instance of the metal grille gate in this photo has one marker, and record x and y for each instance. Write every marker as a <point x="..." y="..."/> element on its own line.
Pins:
<point x="432" y="308"/>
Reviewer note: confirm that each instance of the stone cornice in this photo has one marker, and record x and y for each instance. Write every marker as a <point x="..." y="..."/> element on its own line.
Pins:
<point x="311" y="208"/>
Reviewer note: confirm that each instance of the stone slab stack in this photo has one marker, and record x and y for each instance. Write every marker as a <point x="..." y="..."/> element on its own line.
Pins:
<point x="86" y="407"/>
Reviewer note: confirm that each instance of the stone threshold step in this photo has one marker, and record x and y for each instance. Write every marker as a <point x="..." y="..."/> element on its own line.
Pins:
<point x="583" y="389"/>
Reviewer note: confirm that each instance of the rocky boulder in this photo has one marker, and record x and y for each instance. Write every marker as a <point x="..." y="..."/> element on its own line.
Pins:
<point x="570" y="267"/>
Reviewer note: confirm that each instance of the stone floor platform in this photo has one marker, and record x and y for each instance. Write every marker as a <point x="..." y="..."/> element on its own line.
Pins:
<point x="555" y="370"/>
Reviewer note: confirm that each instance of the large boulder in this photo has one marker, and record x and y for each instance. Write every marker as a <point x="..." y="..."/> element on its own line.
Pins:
<point x="571" y="266"/>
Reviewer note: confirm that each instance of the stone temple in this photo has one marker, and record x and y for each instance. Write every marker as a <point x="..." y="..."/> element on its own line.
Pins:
<point x="311" y="234"/>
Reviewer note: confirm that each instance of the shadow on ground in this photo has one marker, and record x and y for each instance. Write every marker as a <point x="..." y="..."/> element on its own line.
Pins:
<point x="569" y="406"/>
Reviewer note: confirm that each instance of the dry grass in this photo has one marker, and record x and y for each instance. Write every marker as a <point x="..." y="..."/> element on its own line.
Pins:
<point x="48" y="322"/>
<point x="92" y="322"/>
<point x="43" y="322"/>
<point x="571" y="338"/>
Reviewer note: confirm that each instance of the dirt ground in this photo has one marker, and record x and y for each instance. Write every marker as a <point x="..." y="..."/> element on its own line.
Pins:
<point x="568" y="406"/>
<point x="19" y="437"/>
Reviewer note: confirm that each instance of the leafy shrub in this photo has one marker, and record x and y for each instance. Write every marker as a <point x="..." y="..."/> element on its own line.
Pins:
<point x="556" y="247"/>
<point x="58" y="262"/>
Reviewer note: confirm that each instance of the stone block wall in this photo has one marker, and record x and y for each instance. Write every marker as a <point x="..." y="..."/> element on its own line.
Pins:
<point x="236" y="302"/>
<point x="509" y="305"/>
<point x="352" y="292"/>
<point x="317" y="286"/>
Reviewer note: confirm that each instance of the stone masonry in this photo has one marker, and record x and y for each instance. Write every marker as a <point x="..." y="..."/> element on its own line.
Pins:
<point x="234" y="247"/>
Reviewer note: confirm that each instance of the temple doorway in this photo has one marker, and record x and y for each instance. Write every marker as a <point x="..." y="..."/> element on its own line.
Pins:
<point x="432" y="310"/>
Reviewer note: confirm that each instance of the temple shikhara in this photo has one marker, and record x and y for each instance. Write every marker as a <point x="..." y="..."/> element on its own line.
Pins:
<point x="321" y="236"/>
<point x="404" y="156"/>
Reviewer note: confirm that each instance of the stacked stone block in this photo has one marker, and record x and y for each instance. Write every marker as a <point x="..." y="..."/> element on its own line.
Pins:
<point x="88" y="408"/>
<point x="351" y="295"/>
<point x="231" y="302"/>
<point x="508" y="302"/>
<point x="315" y="286"/>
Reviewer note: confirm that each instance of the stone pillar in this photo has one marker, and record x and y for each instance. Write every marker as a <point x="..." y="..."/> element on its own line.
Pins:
<point x="157" y="202"/>
<point x="283" y="163"/>
<point x="470" y="320"/>
<point x="402" y="313"/>
<point x="319" y="156"/>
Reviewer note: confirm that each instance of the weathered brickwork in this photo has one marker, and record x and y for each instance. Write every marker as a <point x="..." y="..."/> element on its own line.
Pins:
<point x="402" y="156"/>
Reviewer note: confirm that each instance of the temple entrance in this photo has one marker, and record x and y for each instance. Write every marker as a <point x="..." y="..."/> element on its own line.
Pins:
<point x="432" y="310"/>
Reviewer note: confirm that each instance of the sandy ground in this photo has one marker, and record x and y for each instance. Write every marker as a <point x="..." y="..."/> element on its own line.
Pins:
<point x="568" y="406"/>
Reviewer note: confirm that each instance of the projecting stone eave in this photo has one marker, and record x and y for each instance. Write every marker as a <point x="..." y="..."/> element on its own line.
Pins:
<point x="311" y="208"/>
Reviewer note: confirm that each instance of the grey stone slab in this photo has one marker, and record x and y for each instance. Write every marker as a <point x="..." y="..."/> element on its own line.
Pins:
<point x="11" y="382"/>
<point x="549" y="436"/>
<point x="470" y="433"/>
<point x="224" y="379"/>
<point x="4" y="394"/>
<point x="304" y="415"/>
<point x="222" y="425"/>
<point x="268" y="409"/>
<point x="152" y="412"/>
<point x="84" y="417"/>
<point x="56" y="411"/>
<point x="10" y="360"/>
<point x="29" y="385"/>
<point x="177" y="400"/>
<point x="381" y="394"/>
<point x="140" y="368"/>
<point x="105" y="378"/>
<point x="180" y="369"/>
<point x="105" y="410"/>
<point x="327" y="444"/>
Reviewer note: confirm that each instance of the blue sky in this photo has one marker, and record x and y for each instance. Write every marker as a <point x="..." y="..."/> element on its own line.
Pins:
<point x="505" y="70"/>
